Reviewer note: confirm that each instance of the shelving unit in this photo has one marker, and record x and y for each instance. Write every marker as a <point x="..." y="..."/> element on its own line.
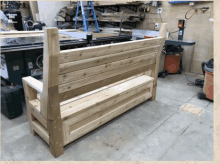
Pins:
<point x="114" y="7"/>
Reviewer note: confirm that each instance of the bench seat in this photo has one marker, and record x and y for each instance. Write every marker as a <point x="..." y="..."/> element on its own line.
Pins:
<point x="81" y="110"/>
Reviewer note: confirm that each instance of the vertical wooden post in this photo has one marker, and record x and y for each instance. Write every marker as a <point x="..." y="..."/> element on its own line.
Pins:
<point x="30" y="94"/>
<point x="162" y="33"/>
<point x="50" y="103"/>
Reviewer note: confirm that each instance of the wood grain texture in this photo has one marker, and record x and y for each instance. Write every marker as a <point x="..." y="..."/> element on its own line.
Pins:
<point x="96" y="61"/>
<point x="50" y="98"/>
<point x="30" y="94"/>
<point x="105" y="103"/>
<point x="162" y="34"/>
<point x="41" y="131"/>
<point x="81" y="74"/>
<point x="76" y="92"/>
<point x="102" y="76"/>
<point x="101" y="120"/>
<point x="97" y="51"/>
<point x="107" y="97"/>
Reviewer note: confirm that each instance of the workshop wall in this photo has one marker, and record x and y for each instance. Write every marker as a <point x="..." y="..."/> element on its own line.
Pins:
<point x="49" y="9"/>
<point x="199" y="28"/>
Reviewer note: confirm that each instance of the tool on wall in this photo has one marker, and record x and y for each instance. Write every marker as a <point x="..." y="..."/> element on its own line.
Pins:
<point x="181" y="26"/>
<point x="86" y="19"/>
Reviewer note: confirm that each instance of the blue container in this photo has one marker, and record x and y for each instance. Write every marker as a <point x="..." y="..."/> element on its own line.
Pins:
<point x="173" y="2"/>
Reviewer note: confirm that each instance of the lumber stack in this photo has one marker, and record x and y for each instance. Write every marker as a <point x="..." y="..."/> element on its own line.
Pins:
<point x="116" y="17"/>
<point x="105" y="3"/>
<point x="67" y="13"/>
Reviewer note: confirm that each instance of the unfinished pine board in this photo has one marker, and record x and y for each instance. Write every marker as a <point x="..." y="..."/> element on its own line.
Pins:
<point x="50" y="98"/>
<point x="113" y="93"/>
<point x="76" y="75"/>
<point x="41" y="131"/>
<point x="96" y="61"/>
<point x="35" y="110"/>
<point x="162" y="33"/>
<point x="100" y="121"/>
<point x="105" y="103"/>
<point x="96" y="51"/>
<point x="86" y="81"/>
<point x="97" y="115"/>
<point x="36" y="84"/>
<point x="76" y="92"/>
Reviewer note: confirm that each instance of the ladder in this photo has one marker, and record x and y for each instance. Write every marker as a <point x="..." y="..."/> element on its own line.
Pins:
<point x="86" y="18"/>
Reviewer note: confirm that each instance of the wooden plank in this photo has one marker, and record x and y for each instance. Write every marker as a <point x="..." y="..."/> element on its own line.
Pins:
<point x="86" y="81"/>
<point x="99" y="98"/>
<point x="93" y="86"/>
<point x="91" y="118"/>
<point x="30" y="94"/>
<point x="41" y="131"/>
<point x="96" y="91"/>
<point x="98" y="122"/>
<point x="73" y="76"/>
<point x="34" y="83"/>
<point x="96" y="51"/>
<point x="163" y="35"/>
<point x="97" y="61"/>
<point x="35" y="110"/>
<point x="51" y="105"/>
<point x="34" y="9"/>
<point x="105" y="103"/>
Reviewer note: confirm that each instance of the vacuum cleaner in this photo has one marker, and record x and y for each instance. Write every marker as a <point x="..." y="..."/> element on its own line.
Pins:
<point x="208" y="72"/>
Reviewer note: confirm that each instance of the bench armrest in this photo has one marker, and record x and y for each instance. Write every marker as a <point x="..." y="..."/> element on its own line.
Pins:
<point x="34" y="83"/>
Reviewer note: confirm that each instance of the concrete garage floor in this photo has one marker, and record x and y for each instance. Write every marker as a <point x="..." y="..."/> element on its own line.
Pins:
<point x="156" y="130"/>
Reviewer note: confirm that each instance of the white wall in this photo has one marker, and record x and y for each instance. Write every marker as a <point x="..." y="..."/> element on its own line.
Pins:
<point x="49" y="9"/>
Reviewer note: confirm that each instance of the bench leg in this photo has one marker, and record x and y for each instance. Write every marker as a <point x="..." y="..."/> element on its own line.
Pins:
<point x="30" y="94"/>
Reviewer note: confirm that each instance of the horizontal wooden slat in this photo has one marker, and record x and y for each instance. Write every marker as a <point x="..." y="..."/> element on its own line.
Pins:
<point x="73" y="76"/>
<point x="96" y="91"/>
<point x="114" y="113"/>
<point x="34" y="83"/>
<point x="99" y="98"/>
<point x="35" y="110"/>
<point x="107" y="110"/>
<point x="95" y="51"/>
<point x="41" y="131"/>
<point x="96" y="61"/>
<point x="79" y="91"/>
<point x="77" y="84"/>
<point x="106" y="103"/>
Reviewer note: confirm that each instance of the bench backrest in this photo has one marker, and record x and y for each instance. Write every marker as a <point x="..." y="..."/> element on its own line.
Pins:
<point x="69" y="73"/>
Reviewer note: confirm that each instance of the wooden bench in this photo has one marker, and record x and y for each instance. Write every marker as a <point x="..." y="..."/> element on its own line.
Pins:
<point x="84" y="88"/>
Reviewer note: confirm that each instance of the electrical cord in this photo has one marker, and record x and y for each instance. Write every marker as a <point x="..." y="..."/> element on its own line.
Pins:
<point x="174" y="32"/>
<point x="195" y="11"/>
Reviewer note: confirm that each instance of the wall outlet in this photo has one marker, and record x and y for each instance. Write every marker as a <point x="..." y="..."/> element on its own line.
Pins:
<point x="191" y="3"/>
<point x="156" y="25"/>
<point x="159" y="10"/>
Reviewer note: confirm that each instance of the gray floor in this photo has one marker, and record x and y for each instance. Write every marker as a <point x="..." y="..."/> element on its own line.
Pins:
<point x="151" y="131"/>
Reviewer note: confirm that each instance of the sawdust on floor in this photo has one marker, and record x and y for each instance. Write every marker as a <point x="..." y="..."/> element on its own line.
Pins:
<point x="191" y="109"/>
